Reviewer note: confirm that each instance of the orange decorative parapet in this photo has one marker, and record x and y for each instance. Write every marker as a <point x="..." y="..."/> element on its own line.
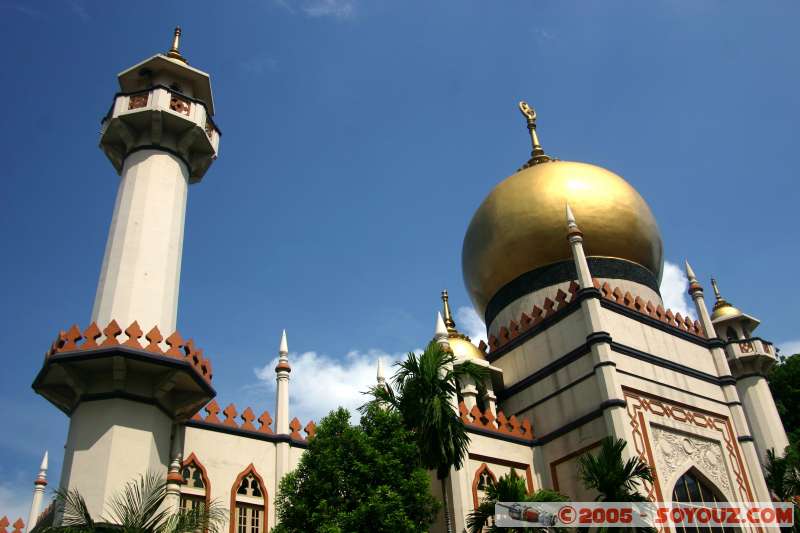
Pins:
<point x="647" y="308"/>
<point x="551" y="307"/>
<point x="498" y="424"/>
<point x="96" y="339"/>
<point x="18" y="526"/>
<point x="232" y="419"/>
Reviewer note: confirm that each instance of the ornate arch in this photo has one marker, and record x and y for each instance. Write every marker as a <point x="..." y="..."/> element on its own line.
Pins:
<point x="192" y="460"/>
<point x="243" y="474"/>
<point x="476" y="481"/>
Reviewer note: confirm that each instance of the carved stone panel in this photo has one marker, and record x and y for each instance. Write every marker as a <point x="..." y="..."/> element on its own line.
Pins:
<point x="675" y="452"/>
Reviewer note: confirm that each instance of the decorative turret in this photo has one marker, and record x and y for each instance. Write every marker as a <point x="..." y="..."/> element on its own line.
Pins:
<point x="460" y="344"/>
<point x="750" y="359"/>
<point x="39" y="486"/>
<point x="282" y="370"/>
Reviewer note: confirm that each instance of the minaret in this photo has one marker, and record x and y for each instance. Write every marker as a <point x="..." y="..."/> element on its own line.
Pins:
<point x="610" y="390"/>
<point x="38" y="494"/>
<point x="696" y="292"/>
<point x="282" y="371"/>
<point x="133" y="378"/>
<point x="750" y="358"/>
<point x="160" y="138"/>
<point x="380" y="375"/>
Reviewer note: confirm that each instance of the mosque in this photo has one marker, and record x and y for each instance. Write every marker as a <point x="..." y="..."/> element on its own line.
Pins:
<point x="563" y="260"/>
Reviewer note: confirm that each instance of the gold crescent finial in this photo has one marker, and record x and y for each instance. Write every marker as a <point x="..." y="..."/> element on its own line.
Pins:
<point x="174" y="51"/>
<point x="537" y="153"/>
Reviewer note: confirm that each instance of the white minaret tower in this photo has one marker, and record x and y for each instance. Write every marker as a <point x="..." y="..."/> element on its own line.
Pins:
<point x="125" y="392"/>
<point x="282" y="370"/>
<point x="160" y="137"/>
<point x="38" y="494"/>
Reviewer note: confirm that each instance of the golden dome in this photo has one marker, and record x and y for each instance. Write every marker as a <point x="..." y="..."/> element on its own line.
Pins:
<point x="460" y="344"/>
<point x="723" y="310"/>
<point x="521" y="224"/>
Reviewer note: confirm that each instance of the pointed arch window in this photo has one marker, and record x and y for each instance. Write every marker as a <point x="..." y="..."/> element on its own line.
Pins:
<point x="484" y="477"/>
<point x="248" y="503"/>
<point x="195" y="489"/>
<point x="692" y="487"/>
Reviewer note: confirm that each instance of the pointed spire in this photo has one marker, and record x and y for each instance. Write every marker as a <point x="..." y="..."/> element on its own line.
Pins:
<point x="690" y="272"/>
<point x="284" y="346"/>
<point x="716" y="291"/>
<point x="283" y="356"/>
<point x="380" y="375"/>
<point x="440" y="332"/>
<point x="448" y="316"/>
<point x="174" y="51"/>
<point x="573" y="231"/>
<point x="41" y="479"/>
<point x="537" y="153"/>
<point x="694" y="286"/>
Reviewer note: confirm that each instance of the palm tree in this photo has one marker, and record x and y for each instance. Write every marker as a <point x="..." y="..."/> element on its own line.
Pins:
<point x="509" y="488"/>
<point x="426" y="390"/>
<point x="615" y="480"/>
<point x="137" y="508"/>
<point x="782" y="475"/>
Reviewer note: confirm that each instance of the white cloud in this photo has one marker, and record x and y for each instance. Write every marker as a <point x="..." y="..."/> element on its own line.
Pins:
<point x="15" y="501"/>
<point x="790" y="347"/>
<point x="674" y="285"/>
<point x="320" y="383"/>
<point x="470" y="324"/>
<point x="330" y="8"/>
<point x="340" y="9"/>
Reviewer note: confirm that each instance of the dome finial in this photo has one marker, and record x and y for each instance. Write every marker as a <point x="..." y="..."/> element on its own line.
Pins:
<point x="174" y="52"/>
<point x="537" y="153"/>
<point x="721" y="302"/>
<point x="448" y="316"/>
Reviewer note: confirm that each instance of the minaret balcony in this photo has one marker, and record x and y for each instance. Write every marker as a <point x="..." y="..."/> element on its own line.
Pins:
<point x="750" y="356"/>
<point x="164" y="118"/>
<point x="97" y="364"/>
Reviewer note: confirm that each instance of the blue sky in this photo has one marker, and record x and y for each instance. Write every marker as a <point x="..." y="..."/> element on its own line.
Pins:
<point x="359" y="138"/>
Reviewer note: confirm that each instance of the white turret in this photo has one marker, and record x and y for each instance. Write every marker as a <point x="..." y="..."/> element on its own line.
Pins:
<point x="381" y="375"/>
<point x="38" y="493"/>
<point x="282" y="371"/>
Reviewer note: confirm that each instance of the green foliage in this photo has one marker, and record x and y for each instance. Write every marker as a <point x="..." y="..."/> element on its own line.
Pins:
<point x="357" y="478"/>
<point x="425" y="386"/>
<point x="784" y="382"/>
<point x="615" y="480"/>
<point x="782" y="472"/>
<point x="509" y="488"/>
<point x="137" y="508"/>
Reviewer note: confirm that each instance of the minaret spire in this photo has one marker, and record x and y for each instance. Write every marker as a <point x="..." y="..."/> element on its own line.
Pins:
<point x="448" y="316"/>
<point x="537" y="153"/>
<point x="696" y="292"/>
<point x="174" y="51"/>
<point x="282" y="371"/>
<point x="381" y="375"/>
<point x="575" y="238"/>
<point x="38" y="493"/>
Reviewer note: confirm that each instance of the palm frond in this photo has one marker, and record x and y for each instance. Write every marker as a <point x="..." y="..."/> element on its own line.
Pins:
<point x="138" y="506"/>
<point x="208" y="519"/>
<point x="74" y="512"/>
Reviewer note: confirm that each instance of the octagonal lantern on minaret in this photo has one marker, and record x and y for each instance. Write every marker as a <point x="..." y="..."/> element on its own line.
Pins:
<point x="166" y="103"/>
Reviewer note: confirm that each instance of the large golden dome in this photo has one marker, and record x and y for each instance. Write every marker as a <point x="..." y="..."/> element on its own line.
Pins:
<point x="521" y="226"/>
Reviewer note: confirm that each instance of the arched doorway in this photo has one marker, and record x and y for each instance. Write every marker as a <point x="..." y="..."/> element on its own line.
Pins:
<point x="693" y="487"/>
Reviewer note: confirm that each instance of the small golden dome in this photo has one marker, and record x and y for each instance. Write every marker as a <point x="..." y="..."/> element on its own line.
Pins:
<point x="460" y="344"/>
<point x="723" y="310"/>
<point x="462" y="347"/>
<point x="521" y="225"/>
